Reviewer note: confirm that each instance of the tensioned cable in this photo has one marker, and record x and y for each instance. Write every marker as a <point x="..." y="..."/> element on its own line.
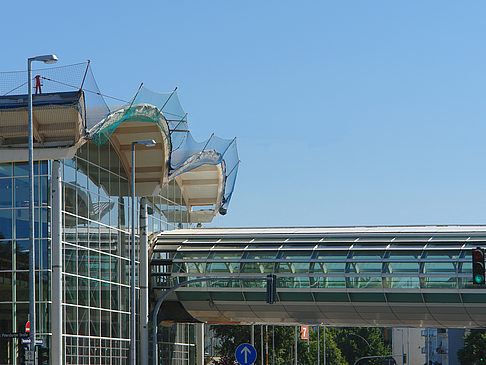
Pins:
<point x="94" y="92"/>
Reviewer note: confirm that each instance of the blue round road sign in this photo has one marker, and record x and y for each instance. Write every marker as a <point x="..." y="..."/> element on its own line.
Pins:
<point x="245" y="354"/>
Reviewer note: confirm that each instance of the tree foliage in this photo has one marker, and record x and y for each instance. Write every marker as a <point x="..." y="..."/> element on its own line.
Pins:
<point x="343" y="345"/>
<point x="474" y="350"/>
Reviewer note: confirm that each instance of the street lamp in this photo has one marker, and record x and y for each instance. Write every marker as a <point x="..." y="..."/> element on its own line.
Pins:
<point x="46" y="59"/>
<point x="148" y="143"/>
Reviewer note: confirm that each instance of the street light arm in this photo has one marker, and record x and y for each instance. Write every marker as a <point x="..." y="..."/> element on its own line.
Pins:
<point x="364" y="339"/>
<point x="374" y="357"/>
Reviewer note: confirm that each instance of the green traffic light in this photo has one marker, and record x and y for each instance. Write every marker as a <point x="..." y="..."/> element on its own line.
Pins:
<point x="478" y="279"/>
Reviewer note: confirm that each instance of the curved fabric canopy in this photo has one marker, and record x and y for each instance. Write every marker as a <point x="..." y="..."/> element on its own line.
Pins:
<point x="132" y="124"/>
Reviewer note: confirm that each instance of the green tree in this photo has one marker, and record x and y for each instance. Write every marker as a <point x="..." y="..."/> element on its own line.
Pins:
<point x="356" y="342"/>
<point x="474" y="350"/>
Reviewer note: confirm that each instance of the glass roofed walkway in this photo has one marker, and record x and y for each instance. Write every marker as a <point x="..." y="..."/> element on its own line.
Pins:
<point x="416" y="276"/>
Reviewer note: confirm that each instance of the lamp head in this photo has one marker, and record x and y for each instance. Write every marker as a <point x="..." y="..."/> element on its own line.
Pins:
<point x="148" y="143"/>
<point x="48" y="58"/>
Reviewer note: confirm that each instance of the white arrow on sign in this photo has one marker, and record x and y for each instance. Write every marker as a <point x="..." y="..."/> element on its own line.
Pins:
<point x="245" y="351"/>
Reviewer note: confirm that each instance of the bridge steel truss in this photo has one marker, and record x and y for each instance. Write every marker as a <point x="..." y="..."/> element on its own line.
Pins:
<point x="415" y="276"/>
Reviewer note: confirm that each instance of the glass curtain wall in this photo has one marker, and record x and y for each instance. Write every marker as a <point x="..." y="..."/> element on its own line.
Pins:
<point x="14" y="253"/>
<point x="96" y="244"/>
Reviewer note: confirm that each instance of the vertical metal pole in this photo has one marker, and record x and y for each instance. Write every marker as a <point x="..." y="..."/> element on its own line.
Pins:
<point x="132" y="269"/>
<point x="318" y="347"/>
<point x="252" y="335"/>
<point x="262" y="361"/>
<point x="200" y="343"/>
<point x="273" y="345"/>
<point x="56" y="281"/>
<point x="31" y="213"/>
<point x="295" y="350"/>
<point x="426" y="347"/>
<point x="324" y="352"/>
<point x="266" y="344"/>
<point x="144" y="295"/>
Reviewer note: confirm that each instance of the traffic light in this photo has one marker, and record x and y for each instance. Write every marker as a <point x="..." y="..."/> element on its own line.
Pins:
<point x="271" y="289"/>
<point x="22" y="348"/>
<point x="42" y="355"/>
<point x="478" y="266"/>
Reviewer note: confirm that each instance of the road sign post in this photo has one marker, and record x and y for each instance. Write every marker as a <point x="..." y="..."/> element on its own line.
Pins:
<point x="245" y="354"/>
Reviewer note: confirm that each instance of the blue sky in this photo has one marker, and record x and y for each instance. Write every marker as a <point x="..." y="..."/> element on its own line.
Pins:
<point x="346" y="112"/>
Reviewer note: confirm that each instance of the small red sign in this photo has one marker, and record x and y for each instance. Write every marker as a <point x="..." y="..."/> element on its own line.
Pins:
<point x="304" y="332"/>
<point x="27" y="327"/>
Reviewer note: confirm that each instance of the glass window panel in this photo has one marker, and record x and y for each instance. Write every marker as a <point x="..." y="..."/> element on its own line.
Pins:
<point x="372" y="255"/>
<point x="83" y="289"/>
<point x="294" y="282"/>
<point x="442" y="254"/>
<point x="5" y="254"/>
<point x="221" y="255"/>
<point x="293" y="267"/>
<point x="21" y="169"/>
<point x="5" y="169"/>
<point x="6" y="193"/>
<point x="115" y="295"/>
<point x="22" y="311"/>
<point x="190" y="255"/>
<point x="42" y="287"/>
<point x="22" y="285"/>
<point x="328" y="282"/>
<point x="436" y="267"/>
<point x="228" y="267"/>
<point x="403" y="267"/>
<point x="125" y="298"/>
<point x="83" y="321"/>
<point x="261" y="255"/>
<point x="94" y="293"/>
<point x="194" y="267"/>
<point x="408" y="254"/>
<point x="105" y="267"/>
<point x="70" y="259"/>
<point x="105" y="295"/>
<point x="22" y="248"/>
<point x="5" y="286"/>
<point x="257" y="267"/>
<point x="115" y="325"/>
<point x="71" y="289"/>
<point x="328" y="267"/>
<point x="332" y="255"/>
<point x="365" y="267"/>
<point x="401" y="282"/>
<point x="94" y="322"/>
<point x="438" y="283"/>
<point x="42" y="254"/>
<point x="21" y="192"/>
<point x="83" y="262"/>
<point x="364" y="282"/>
<point x="71" y="320"/>
<point x="465" y="267"/>
<point x="21" y="223"/>
<point x="94" y="264"/>
<point x="6" y="223"/>
<point x="292" y="255"/>
<point x="105" y="323"/>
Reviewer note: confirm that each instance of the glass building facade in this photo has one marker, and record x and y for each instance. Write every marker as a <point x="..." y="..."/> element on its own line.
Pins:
<point x="96" y="208"/>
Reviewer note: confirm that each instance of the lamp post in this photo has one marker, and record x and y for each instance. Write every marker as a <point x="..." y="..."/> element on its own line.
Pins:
<point x="46" y="59"/>
<point x="133" y="347"/>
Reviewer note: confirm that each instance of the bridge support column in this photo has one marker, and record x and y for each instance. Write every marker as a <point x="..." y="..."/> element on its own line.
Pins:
<point x="200" y="344"/>
<point x="144" y="298"/>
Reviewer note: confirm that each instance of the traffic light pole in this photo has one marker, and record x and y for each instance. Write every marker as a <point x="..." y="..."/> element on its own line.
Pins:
<point x="155" y="312"/>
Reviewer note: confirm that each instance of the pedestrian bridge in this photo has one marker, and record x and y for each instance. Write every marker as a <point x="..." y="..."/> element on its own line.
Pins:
<point x="402" y="276"/>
